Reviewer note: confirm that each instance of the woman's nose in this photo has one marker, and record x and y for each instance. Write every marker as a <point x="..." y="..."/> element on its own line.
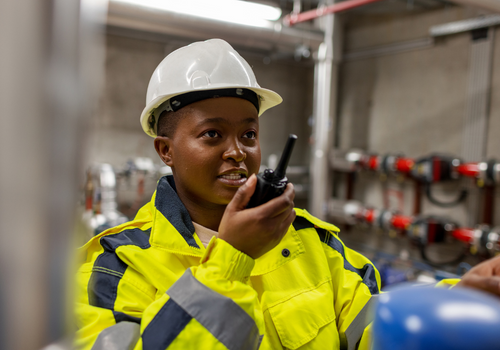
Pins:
<point x="235" y="152"/>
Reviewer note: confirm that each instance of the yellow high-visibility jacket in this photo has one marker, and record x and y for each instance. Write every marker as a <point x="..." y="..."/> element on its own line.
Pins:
<point x="151" y="284"/>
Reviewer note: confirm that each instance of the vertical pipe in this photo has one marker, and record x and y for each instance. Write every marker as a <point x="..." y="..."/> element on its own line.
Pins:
<point x="475" y="133"/>
<point x="417" y="199"/>
<point x="325" y="82"/>
<point x="42" y="93"/>
<point x="23" y="173"/>
<point x="351" y="178"/>
<point x="489" y="204"/>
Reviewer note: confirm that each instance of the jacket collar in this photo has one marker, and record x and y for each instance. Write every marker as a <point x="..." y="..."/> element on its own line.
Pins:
<point x="171" y="215"/>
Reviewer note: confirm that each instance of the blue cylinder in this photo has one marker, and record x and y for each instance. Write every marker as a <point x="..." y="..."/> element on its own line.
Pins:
<point x="426" y="318"/>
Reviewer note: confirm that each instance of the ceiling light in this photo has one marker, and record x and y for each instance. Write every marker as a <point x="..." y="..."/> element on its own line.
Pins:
<point x="233" y="11"/>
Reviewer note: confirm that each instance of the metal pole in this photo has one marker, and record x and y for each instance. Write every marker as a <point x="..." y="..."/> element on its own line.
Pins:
<point x="325" y="83"/>
<point x="43" y="90"/>
<point x="23" y="173"/>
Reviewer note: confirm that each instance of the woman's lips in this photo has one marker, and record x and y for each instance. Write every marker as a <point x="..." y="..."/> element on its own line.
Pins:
<point x="233" y="179"/>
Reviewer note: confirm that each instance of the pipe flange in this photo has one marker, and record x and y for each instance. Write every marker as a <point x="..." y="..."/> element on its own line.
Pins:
<point x="385" y="219"/>
<point x="480" y="239"/>
<point x="496" y="173"/>
<point x="493" y="241"/>
<point x="378" y="167"/>
<point x="418" y="231"/>
<point x="353" y="211"/>
<point x="455" y="163"/>
<point x="483" y="169"/>
<point x="388" y="164"/>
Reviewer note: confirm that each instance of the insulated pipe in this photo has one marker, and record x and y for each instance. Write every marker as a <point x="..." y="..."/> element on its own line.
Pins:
<point x="294" y="18"/>
<point x="124" y="17"/>
<point x="24" y="175"/>
<point x="491" y="5"/>
<point x="46" y="69"/>
<point x="325" y="83"/>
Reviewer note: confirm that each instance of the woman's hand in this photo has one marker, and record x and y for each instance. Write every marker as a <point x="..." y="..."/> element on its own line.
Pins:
<point x="257" y="230"/>
<point x="484" y="276"/>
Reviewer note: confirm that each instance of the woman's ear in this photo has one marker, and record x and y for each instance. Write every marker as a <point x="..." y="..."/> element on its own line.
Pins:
<point x="163" y="146"/>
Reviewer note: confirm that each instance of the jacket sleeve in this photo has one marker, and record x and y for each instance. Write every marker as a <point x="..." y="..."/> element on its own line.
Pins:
<point x="209" y="307"/>
<point x="356" y="284"/>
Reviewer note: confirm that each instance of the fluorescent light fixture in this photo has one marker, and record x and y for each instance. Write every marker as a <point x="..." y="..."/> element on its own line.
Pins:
<point x="233" y="11"/>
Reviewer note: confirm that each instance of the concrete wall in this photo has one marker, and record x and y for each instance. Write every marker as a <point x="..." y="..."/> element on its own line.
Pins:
<point x="412" y="103"/>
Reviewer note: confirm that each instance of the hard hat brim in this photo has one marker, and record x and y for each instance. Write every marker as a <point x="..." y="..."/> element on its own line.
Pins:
<point x="268" y="99"/>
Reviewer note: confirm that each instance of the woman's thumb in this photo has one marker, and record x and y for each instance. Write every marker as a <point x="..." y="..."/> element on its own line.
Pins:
<point x="244" y="193"/>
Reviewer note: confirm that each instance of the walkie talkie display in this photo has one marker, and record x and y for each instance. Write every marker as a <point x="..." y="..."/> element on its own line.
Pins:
<point x="272" y="183"/>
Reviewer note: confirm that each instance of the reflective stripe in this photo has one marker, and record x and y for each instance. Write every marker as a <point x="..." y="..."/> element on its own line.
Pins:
<point x="108" y="269"/>
<point x="220" y="315"/>
<point x="103" y="283"/>
<point x="355" y="330"/>
<point x="367" y="272"/>
<point x="133" y="236"/>
<point x="121" y="336"/>
<point x="165" y="326"/>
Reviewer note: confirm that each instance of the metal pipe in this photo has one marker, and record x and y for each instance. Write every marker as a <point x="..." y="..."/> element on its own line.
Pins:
<point x="417" y="198"/>
<point x="276" y="37"/>
<point x="488" y="204"/>
<point x="23" y="175"/>
<point x="325" y="80"/>
<point x="294" y="18"/>
<point x="40" y="150"/>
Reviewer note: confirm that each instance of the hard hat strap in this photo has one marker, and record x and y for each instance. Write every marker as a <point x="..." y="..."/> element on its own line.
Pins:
<point x="183" y="100"/>
<point x="179" y="101"/>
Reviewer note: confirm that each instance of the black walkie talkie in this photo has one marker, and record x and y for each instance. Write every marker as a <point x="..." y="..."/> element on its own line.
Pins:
<point x="272" y="183"/>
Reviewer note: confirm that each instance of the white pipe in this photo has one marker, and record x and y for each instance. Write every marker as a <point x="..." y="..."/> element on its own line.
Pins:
<point x="41" y="99"/>
<point x="23" y="175"/>
<point x="491" y="5"/>
<point x="326" y="71"/>
<point x="277" y="37"/>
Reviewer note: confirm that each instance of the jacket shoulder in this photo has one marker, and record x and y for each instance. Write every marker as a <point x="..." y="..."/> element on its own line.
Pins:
<point x="136" y="233"/>
<point x="305" y="220"/>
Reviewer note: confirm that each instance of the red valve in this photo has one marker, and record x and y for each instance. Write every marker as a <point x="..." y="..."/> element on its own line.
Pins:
<point x="369" y="216"/>
<point x="404" y="165"/>
<point x="373" y="163"/>
<point x="401" y="222"/>
<point x="469" y="169"/>
<point x="464" y="234"/>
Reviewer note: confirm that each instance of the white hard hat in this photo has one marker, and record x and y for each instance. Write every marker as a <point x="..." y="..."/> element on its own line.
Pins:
<point x="197" y="69"/>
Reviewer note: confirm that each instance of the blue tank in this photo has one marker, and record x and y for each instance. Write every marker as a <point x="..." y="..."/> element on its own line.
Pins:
<point x="427" y="318"/>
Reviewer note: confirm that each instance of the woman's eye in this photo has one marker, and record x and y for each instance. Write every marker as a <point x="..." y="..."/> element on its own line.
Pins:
<point x="211" y="133"/>
<point x="250" y="135"/>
